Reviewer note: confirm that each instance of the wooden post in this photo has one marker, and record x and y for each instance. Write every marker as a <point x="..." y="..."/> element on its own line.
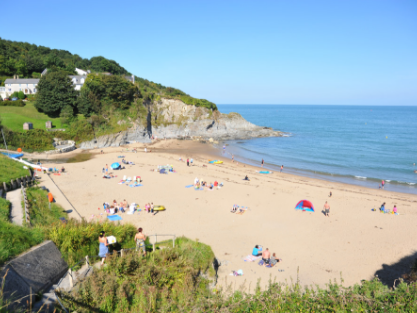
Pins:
<point x="121" y="253"/>
<point x="4" y="187"/>
<point x="12" y="184"/>
<point x="71" y="279"/>
<point x="87" y="261"/>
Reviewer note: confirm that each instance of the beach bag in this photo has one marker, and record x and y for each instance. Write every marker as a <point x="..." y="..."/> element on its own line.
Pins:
<point x="261" y="263"/>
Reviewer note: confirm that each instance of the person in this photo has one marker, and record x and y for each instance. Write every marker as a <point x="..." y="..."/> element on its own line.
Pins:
<point x="147" y="207"/>
<point x="146" y="150"/>
<point x="266" y="255"/>
<point x="257" y="251"/>
<point x="395" y="209"/>
<point x="104" y="170"/>
<point x="330" y="195"/>
<point x="101" y="152"/>
<point x="247" y="178"/>
<point x="273" y="260"/>
<point x="211" y="186"/>
<point x="107" y="168"/>
<point x="62" y="169"/>
<point x="234" y="209"/>
<point x="191" y="161"/>
<point x="151" y="207"/>
<point x="382" y="208"/>
<point x="233" y="158"/>
<point x="282" y="167"/>
<point x="216" y="183"/>
<point x="326" y="209"/>
<point x="140" y="241"/>
<point x="103" y="248"/>
<point x="262" y="163"/>
<point x="188" y="162"/>
<point x="196" y="181"/>
<point x="382" y="184"/>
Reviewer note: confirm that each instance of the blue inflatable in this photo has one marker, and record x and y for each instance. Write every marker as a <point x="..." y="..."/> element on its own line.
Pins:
<point x="19" y="155"/>
<point x="115" y="166"/>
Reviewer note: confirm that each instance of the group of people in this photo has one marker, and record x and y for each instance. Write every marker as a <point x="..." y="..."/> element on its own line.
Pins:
<point x="115" y="208"/>
<point x="382" y="209"/>
<point x="268" y="260"/>
<point x="201" y="183"/>
<point x="238" y="210"/>
<point x="140" y="239"/>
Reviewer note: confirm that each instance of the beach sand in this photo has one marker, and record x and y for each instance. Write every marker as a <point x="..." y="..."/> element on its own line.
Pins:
<point x="354" y="243"/>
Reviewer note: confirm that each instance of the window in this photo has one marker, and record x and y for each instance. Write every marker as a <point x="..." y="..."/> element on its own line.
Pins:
<point x="34" y="90"/>
<point x="20" y="85"/>
<point x="20" y="89"/>
<point x="27" y="85"/>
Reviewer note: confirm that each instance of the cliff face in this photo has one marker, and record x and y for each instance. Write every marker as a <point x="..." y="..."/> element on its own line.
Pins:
<point x="170" y="118"/>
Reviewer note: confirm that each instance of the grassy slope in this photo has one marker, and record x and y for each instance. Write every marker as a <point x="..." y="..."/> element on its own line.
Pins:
<point x="10" y="169"/>
<point x="14" y="117"/>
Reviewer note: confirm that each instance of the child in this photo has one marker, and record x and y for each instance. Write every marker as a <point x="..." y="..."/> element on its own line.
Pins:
<point x="395" y="209"/>
<point x="151" y="207"/>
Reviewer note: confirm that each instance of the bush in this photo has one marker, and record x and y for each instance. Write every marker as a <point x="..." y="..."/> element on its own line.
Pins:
<point x="33" y="140"/>
<point x="17" y="103"/>
<point x="21" y="95"/>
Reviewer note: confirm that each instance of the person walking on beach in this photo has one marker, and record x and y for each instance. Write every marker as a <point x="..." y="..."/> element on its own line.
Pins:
<point x="188" y="162"/>
<point x="382" y="184"/>
<point x="233" y="158"/>
<point x="262" y="165"/>
<point x="107" y="168"/>
<point x="140" y="241"/>
<point x="103" y="248"/>
<point x="282" y="167"/>
<point x="326" y="209"/>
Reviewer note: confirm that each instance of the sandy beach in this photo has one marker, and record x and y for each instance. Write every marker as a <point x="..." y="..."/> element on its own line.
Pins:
<point x="354" y="243"/>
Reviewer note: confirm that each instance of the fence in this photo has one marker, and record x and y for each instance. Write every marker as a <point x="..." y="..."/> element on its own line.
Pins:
<point x="86" y="260"/>
<point x="25" y="200"/>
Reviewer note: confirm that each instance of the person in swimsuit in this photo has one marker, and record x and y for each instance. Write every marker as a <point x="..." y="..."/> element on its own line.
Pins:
<point x="282" y="167"/>
<point x="266" y="255"/>
<point x="326" y="209"/>
<point x="140" y="241"/>
<point x="262" y="163"/>
<point x="103" y="248"/>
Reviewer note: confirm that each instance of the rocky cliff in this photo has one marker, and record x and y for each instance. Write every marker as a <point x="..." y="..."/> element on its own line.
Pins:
<point x="170" y="118"/>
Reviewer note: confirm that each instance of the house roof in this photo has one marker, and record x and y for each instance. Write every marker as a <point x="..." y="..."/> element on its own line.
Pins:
<point x="22" y="81"/>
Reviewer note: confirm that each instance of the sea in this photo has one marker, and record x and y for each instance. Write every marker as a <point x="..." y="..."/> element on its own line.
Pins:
<point x="360" y="145"/>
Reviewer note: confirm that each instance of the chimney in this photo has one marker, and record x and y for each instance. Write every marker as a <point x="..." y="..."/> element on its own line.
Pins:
<point x="14" y="76"/>
<point x="17" y="76"/>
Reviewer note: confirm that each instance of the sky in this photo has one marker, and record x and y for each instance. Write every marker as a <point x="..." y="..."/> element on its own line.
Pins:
<point x="358" y="52"/>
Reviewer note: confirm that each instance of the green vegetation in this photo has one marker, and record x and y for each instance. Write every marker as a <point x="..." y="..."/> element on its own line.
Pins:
<point x="80" y="157"/>
<point x="170" y="280"/>
<point x="17" y="103"/>
<point x="55" y="92"/>
<point x="28" y="60"/>
<point x="30" y="140"/>
<point x="15" y="239"/>
<point x="10" y="169"/>
<point x="14" y="117"/>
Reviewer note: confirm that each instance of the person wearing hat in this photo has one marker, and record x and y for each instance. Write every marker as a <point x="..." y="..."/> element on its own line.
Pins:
<point x="103" y="248"/>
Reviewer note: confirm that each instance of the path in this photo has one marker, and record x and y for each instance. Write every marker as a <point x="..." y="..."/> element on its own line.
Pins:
<point x="16" y="212"/>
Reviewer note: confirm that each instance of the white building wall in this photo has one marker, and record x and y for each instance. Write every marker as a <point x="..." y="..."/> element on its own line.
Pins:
<point x="27" y="89"/>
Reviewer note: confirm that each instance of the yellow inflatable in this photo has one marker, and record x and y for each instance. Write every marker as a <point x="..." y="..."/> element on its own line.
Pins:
<point x="159" y="208"/>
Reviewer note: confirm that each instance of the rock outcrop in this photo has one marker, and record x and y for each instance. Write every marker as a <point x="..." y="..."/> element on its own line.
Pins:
<point x="169" y="118"/>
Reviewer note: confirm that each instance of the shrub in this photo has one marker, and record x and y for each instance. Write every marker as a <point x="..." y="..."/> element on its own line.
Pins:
<point x="17" y="103"/>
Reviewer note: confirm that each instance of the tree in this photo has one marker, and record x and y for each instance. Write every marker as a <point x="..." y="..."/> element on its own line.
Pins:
<point x="55" y="91"/>
<point x="21" y="95"/>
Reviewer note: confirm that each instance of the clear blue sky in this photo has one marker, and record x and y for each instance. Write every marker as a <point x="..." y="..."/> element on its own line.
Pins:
<point x="241" y="52"/>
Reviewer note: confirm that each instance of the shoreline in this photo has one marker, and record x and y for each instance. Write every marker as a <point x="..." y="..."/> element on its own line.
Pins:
<point x="354" y="240"/>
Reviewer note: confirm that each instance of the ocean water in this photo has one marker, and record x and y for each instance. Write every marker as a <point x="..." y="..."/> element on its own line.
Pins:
<point x="352" y="144"/>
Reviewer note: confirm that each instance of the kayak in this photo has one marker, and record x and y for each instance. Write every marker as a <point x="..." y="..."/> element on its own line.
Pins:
<point x="215" y="162"/>
<point x="159" y="208"/>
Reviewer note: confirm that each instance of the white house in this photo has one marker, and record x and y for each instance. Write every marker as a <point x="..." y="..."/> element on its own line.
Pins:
<point x="82" y="72"/>
<point x="77" y="81"/>
<point x="27" y="85"/>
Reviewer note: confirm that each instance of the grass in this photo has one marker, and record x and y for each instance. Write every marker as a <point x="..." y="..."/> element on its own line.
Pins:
<point x="10" y="169"/>
<point x="14" y="117"/>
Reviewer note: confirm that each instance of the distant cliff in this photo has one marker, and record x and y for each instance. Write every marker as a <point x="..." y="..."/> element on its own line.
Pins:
<point x="170" y="118"/>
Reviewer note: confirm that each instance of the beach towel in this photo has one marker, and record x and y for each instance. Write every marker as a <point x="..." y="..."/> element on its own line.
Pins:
<point x="114" y="218"/>
<point x="189" y="186"/>
<point x="251" y="258"/>
<point x="135" y="185"/>
<point x="121" y="182"/>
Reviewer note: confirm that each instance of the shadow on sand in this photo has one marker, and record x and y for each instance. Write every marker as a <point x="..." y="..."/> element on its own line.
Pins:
<point x="389" y="273"/>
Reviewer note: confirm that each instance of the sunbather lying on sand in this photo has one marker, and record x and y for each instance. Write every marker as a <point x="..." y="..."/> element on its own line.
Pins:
<point x="234" y="209"/>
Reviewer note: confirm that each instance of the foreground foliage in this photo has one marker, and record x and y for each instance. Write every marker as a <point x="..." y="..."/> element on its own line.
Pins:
<point x="10" y="169"/>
